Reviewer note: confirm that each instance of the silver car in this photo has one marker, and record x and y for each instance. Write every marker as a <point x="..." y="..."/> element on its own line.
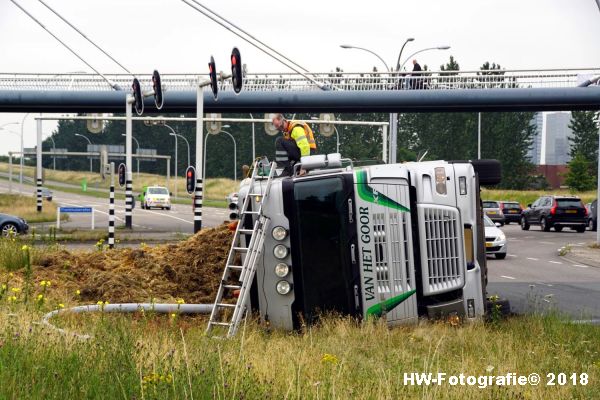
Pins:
<point x="493" y="210"/>
<point x="495" y="240"/>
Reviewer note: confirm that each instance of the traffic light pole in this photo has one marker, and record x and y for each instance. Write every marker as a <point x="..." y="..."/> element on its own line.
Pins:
<point x="111" y="208"/>
<point x="199" y="153"/>
<point x="39" y="166"/>
<point x="128" y="161"/>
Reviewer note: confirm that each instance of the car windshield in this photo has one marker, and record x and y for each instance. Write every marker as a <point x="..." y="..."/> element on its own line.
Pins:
<point x="514" y="206"/>
<point x="490" y="204"/>
<point x="569" y="202"/>
<point x="158" y="191"/>
<point x="487" y="221"/>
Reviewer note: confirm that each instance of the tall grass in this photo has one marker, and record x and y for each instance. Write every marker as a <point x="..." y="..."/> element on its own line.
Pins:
<point x="159" y="357"/>
<point x="25" y="207"/>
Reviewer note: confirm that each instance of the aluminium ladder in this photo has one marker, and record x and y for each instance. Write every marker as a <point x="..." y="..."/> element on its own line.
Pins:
<point x="240" y="277"/>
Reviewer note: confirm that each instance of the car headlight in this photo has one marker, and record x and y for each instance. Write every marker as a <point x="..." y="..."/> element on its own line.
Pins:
<point x="501" y="237"/>
<point x="280" y="251"/>
<point x="283" y="287"/>
<point x="279" y="233"/>
<point x="281" y="270"/>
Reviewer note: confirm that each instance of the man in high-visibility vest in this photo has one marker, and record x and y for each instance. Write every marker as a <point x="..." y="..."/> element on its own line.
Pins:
<point x="299" y="132"/>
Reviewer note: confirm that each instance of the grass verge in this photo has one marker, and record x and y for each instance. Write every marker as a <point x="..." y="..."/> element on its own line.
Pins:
<point x="525" y="197"/>
<point x="25" y="207"/>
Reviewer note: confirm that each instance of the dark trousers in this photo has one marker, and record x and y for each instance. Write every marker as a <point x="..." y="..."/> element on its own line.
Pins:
<point x="287" y="154"/>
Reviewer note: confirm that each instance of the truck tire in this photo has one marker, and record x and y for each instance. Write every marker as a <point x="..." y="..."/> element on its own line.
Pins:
<point x="489" y="171"/>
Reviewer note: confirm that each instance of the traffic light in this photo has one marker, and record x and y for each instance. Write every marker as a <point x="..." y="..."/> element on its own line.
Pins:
<point x="212" y="72"/>
<point x="236" y="70"/>
<point x="137" y="96"/>
<point x="158" y="94"/>
<point x="122" y="172"/>
<point x="190" y="179"/>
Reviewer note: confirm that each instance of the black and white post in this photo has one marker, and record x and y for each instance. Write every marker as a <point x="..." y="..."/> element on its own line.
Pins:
<point x="199" y="155"/>
<point x="128" y="161"/>
<point x="111" y="209"/>
<point x="39" y="165"/>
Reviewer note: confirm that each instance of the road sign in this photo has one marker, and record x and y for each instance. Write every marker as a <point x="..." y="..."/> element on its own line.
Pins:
<point x="236" y="70"/>
<point x="121" y="172"/>
<point x="212" y="72"/>
<point x="156" y="85"/>
<point x="190" y="179"/>
<point x="76" y="209"/>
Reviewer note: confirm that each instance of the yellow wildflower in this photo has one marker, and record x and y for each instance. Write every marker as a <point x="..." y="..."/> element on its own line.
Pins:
<point x="12" y="298"/>
<point x="61" y="305"/>
<point x="4" y="286"/>
<point x="40" y="297"/>
<point x="25" y="247"/>
<point x="173" y="315"/>
<point x="180" y="301"/>
<point x="15" y="290"/>
<point x="329" y="358"/>
<point x="78" y="292"/>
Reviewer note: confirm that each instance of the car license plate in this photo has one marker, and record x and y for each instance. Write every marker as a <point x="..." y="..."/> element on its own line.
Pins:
<point x="512" y="211"/>
<point x="492" y="212"/>
<point x="571" y="211"/>
<point x="488" y="244"/>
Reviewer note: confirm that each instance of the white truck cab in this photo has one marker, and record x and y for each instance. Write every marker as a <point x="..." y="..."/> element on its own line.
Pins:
<point x="393" y="241"/>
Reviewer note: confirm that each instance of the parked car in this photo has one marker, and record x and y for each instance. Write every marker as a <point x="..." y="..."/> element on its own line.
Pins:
<point x="493" y="210"/>
<point x="495" y="240"/>
<point x="11" y="225"/>
<point x="155" y="196"/>
<point x="593" y="215"/>
<point x="46" y="194"/>
<point x="555" y="212"/>
<point x="512" y="211"/>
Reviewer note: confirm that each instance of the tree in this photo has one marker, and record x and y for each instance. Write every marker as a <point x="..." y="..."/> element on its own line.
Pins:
<point x="584" y="140"/>
<point x="451" y="65"/>
<point x="578" y="178"/>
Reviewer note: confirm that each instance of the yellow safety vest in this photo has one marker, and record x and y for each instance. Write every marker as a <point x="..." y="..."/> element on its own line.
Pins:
<point x="297" y="133"/>
<point x="307" y="132"/>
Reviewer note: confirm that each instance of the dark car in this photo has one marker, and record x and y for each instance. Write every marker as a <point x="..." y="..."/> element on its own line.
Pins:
<point x="512" y="211"/>
<point x="555" y="212"/>
<point x="11" y="225"/>
<point x="593" y="216"/>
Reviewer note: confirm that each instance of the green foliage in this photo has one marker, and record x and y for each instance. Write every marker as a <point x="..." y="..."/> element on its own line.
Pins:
<point x="584" y="140"/>
<point x="579" y="178"/>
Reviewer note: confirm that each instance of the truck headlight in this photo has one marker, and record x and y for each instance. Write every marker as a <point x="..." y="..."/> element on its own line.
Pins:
<point x="279" y="233"/>
<point x="280" y="251"/>
<point x="281" y="270"/>
<point x="283" y="287"/>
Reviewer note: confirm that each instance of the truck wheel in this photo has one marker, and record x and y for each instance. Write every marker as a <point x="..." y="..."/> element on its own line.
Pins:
<point x="524" y="224"/>
<point x="544" y="225"/>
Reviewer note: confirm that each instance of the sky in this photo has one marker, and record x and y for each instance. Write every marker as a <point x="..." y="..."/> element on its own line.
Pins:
<point x="171" y="37"/>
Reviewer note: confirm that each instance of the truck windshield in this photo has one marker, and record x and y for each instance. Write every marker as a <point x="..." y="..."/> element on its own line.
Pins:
<point x="321" y="212"/>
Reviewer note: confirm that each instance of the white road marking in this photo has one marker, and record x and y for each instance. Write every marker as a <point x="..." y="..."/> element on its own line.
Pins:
<point x="528" y="237"/>
<point x="580" y="266"/>
<point x="555" y="262"/>
<point x="550" y="243"/>
<point x="533" y="259"/>
<point x="512" y="255"/>
<point x="507" y="277"/>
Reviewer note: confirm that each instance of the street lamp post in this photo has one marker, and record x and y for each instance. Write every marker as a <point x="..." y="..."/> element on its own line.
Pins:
<point x="137" y="152"/>
<point x="53" y="152"/>
<point x="234" y="155"/>
<point x="422" y="50"/>
<point x="400" y="54"/>
<point x="21" y="171"/>
<point x="254" y="140"/>
<point x="337" y="140"/>
<point x="90" y="143"/>
<point x="175" y="135"/>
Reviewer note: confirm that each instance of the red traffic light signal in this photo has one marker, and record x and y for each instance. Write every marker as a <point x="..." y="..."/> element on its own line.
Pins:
<point x="158" y="94"/>
<point x="137" y="96"/>
<point x="212" y="72"/>
<point x="190" y="180"/>
<point x="236" y="70"/>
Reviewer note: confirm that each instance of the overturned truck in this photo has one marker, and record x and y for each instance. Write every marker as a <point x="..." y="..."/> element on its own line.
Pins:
<point x="398" y="241"/>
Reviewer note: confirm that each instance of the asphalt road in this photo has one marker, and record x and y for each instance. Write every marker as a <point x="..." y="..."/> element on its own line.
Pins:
<point x="179" y="219"/>
<point x="534" y="278"/>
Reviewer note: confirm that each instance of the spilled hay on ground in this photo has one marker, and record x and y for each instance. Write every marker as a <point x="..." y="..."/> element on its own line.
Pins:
<point x="189" y="269"/>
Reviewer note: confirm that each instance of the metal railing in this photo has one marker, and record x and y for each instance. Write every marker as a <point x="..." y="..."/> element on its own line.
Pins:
<point x="348" y="81"/>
